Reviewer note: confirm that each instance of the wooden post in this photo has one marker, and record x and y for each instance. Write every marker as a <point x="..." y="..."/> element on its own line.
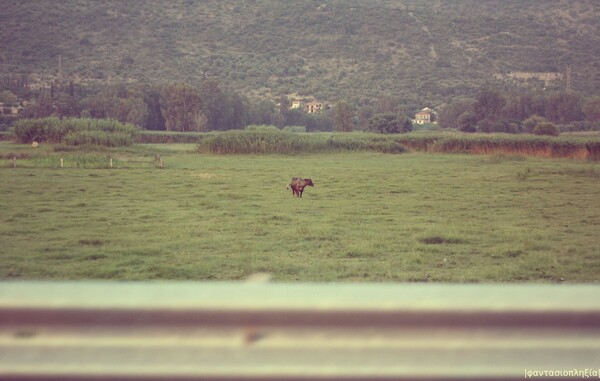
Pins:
<point x="162" y="163"/>
<point x="110" y="162"/>
<point x="62" y="162"/>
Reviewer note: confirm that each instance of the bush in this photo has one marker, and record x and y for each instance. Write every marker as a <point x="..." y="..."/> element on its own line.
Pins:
<point x="531" y="122"/>
<point x="546" y="128"/>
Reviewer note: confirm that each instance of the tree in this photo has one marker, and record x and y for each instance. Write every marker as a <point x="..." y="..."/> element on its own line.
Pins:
<point x="563" y="108"/>
<point x="122" y="103"/>
<point x="43" y="107"/>
<point x="449" y="114"/>
<point x="364" y="114"/>
<point x="387" y="104"/>
<point x="284" y="110"/>
<point x="180" y="106"/>
<point x="405" y="123"/>
<point x="7" y="96"/>
<point x="521" y="107"/>
<point x="342" y="117"/>
<point x="61" y="105"/>
<point x="467" y="122"/>
<point x="65" y="105"/>
<point x="387" y="123"/>
<point x="237" y="115"/>
<point x="213" y="104"/>
<point x="155" y="119"/>
<point x="488" y="105"/>
<point x="321" y="121"/>
<point x="261" y="112"/>
<point x="591" y="109"/>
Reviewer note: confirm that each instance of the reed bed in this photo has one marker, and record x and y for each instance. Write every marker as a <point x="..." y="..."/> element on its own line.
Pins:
<point x="527" y="145"/>
<point x="282" y="142"/>
<point x="169" y="137"/>
<point x="75" y="131"/>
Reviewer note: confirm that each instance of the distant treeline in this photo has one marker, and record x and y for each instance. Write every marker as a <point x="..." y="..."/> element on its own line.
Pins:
<point x="180" y="107"/>
<point x="173" y="107"/>
<point x="530" y="112"/>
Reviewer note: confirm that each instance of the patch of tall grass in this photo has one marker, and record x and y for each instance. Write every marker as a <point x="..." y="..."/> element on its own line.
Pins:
<point x="169" y="137"/>
<point x="263" y="141"/>
<point x="284" y="142"/>
<point x="75" y="131"/>
<point x="529" y="145"/>
<point x="90" y="160"/>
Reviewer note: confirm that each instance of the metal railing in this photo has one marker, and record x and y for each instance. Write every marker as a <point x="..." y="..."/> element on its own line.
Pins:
<point x="226" y="331"/>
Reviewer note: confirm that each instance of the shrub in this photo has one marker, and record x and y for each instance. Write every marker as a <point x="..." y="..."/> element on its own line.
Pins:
<point x="531" y="122"/>
<point x="546" y="128"/>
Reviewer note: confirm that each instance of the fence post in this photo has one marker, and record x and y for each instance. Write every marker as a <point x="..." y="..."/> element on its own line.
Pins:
<point x="110" y="161"/>
<point x="62" y="162"/>
<point x="159" y="160"/>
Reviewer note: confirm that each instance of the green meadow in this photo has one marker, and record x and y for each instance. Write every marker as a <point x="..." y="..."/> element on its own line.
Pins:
<point x="408" y="217"/>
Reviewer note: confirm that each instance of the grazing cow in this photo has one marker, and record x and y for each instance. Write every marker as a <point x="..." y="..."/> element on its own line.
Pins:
<point x="298" y="185"/>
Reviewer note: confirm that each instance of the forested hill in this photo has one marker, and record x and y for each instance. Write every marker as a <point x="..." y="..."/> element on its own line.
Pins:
<point x="423" y="51"/>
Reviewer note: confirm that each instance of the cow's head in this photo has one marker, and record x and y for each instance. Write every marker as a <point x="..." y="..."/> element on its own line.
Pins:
<point x="309" y="182"/>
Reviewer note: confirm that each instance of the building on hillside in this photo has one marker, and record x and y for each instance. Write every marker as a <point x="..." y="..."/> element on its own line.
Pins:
<point x="424" y="116"/>
<point x="10" y="109"/>
<point x="296" y="103"/>
<point x="313" y="107"/>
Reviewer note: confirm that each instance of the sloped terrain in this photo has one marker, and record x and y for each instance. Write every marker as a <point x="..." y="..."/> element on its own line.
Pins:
<point x="329" y="49"/>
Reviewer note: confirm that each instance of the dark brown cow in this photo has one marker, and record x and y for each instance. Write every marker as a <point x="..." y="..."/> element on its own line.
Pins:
<point x="298" y="185"/>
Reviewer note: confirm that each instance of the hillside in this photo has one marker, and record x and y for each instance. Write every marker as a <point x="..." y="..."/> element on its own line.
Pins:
<point x="422" y="51"/>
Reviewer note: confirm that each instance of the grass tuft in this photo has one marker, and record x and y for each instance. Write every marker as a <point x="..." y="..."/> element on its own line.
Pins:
<point x="440" y="240"/>
<point x="91" y="242"/>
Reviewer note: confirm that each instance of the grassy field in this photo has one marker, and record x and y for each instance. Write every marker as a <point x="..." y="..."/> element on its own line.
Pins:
<point x="370" y="217"/>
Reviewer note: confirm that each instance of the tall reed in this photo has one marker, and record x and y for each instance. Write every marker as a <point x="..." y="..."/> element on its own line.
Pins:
<point x="282" y="142"/>
<point x="75" y="131"/>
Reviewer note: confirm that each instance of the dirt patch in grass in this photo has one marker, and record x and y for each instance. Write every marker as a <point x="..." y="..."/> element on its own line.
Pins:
<point x="440" y="240"/>
<point x="91" y="242"/>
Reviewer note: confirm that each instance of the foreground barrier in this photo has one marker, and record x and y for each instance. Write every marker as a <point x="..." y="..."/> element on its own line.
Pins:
<point x="227" y="331"/>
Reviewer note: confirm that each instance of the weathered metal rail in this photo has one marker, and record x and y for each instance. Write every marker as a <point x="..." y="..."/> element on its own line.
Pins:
<point x="226" y="331"/>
